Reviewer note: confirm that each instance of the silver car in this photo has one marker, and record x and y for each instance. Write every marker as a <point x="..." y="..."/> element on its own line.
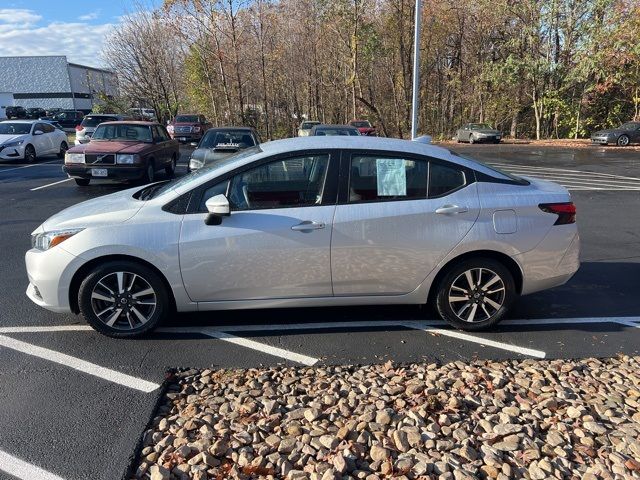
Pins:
<point x="90" y="122"/>
<point x="304" y="223"/>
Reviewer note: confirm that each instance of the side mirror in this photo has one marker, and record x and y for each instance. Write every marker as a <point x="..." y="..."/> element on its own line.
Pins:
<point x="38" y="132"/>
<point x="218" y="207"/>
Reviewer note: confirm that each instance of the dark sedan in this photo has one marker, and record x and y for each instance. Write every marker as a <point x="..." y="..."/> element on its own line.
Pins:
<point x="478" y="132"/>
<point x="331" y="130"/>
<point x="622" y="136"/>
<point x="124" y="150"/>
<point x="220" y="143"/>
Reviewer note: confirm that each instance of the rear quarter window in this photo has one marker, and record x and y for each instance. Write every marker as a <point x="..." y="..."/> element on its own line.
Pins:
<point x="445" y="179"/>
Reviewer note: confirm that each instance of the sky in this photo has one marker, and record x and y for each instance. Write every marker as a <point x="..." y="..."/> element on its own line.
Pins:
<point x="73" y="28"/>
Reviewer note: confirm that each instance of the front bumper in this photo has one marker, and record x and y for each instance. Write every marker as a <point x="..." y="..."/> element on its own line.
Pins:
<point x="601" y="140"/>
<point x="114" y="172"/>
<point x="488" y="138"/>
<point x="50" y="273"/>
<point x="12" y="153"/>
<point x="186" y="137"/>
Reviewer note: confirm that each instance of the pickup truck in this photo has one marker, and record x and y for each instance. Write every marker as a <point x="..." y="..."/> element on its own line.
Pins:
<point x="188" y="128"/>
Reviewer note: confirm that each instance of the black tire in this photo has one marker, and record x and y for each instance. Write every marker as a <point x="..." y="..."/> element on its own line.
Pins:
<point x="150" y="173"/>
<point x="623" y="141"/>
<point x="63" y="149"/>
<point x="123" y="326"/>
<point x="82" y="182"/>
<point x="29" y="154"/>
<point x="170" y="170"/>
<point x="449" y="285"/>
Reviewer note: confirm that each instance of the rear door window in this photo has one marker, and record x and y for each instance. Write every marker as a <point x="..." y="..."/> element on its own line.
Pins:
<point x="445" y="179"/>
<point x="382" y="177"/>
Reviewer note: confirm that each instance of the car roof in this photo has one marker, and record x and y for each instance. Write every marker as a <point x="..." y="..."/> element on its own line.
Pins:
<point x="22" y="121"/>
<point x="131" y="122"/>
<point x="329" y="126"/>
<point x="104" y="115"/>
<point x="224" y="129"/>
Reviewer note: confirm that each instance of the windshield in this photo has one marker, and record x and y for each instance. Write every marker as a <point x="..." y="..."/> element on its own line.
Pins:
<point x="337" y="131"/>
<point x="492" y="168"/>
<point x="480" y="126"/>
<point x="95" y="121"/>
<point x="14" y="128"/>
<point x="158" y="189"/>
<point x="362" y="124"/>
<point x="630" y="126"/>
<point x="123" y="131"/>
<point x="187" y="119"/>
<point x="308" y="125"/>
<point x="241" y="138"/>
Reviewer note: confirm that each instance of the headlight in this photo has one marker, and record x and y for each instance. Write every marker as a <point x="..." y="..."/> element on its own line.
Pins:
<point x="170" y="128"/>
<point x="196" y="129"/>
<point x="45" y="241"/>
<point x="17" y="143"/>
<point x="74" y="158"/>
<point x="195" y="164"/>
<point x="126" y="159"/>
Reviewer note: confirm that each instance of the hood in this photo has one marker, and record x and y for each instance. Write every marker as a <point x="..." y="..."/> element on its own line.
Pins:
<point x="366" y="129"/>
<point x="106" y="210"/>
<point x="10" y="137"/>
<point x="105" y="146"/>
<point x="209" y="155"/>
<point x="609" y="131"/>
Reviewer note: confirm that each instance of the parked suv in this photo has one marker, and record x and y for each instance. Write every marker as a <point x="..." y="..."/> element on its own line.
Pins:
<point x="69" y="119"/>
<point x="188" y="128"/>
<point x="127" y="150"/>
<point x="36" y="113"/>
<point x="15" y="112"/>
<point x="90" y="122"/>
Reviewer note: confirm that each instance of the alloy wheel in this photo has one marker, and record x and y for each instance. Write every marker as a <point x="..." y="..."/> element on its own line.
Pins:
<point x="623" y="141"/>
<point x="477" y="295"/>
<point x="123" y="300"/>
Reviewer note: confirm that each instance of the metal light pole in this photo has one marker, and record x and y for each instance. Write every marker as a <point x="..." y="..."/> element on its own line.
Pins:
<point x="416" y="70"/>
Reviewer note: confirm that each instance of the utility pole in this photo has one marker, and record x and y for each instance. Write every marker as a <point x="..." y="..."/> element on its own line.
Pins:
<point x="416" y="70"/>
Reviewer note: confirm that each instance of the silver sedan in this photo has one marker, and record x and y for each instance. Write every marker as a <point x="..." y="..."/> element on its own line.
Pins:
<point x="307" y="222"/>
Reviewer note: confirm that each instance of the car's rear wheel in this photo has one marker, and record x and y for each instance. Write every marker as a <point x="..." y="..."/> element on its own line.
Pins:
<point x="123" y="299"/>
<point x="170" y="170"/>
<point x="63" y="149"/>
<point x="471" y="139"/>
<point x="475" y="294"/>
<point x="29" y="154"/>
<point x="82" y="182"/>
<point x="623" y="141"/>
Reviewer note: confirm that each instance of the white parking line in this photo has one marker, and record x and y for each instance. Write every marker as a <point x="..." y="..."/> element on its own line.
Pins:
<point x="79" y="364"/>
<point x="29" y="166"/>
<point x="529" y="352"/>
<point x="23" y="470"/>
<point x="39" y="329"/>
<point x="261" y="347"/>
<point x="50" y="184"/>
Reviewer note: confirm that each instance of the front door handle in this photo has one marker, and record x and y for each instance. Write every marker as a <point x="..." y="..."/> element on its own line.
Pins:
<point x="307" y="226"/>
<point x="451" y="210"/>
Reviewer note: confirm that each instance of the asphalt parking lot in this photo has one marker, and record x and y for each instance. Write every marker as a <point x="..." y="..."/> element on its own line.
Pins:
<point x="75" y="403"/>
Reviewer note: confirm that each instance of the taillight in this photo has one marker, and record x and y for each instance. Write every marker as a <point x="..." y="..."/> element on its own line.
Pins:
<point x="566" y="212"/>
<point x="79" y="127"/>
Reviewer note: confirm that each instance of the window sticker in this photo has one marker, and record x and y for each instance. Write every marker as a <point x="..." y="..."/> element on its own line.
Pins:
<point x="392" y="177"/>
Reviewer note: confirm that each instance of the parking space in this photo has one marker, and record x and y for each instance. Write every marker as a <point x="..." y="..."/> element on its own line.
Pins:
<point x="71" y="394"/>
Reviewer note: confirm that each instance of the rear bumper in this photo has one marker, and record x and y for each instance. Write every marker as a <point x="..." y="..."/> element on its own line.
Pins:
<point x="116" y="172"/>
<point x="553" y="262"/>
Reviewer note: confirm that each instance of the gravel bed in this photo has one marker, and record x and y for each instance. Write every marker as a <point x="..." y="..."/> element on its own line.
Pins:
<point x="528" y="419"/>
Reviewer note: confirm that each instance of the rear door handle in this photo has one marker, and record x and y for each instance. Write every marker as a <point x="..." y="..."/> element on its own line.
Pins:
<point x="451" y="210"/>
<point x="307" y="226"/>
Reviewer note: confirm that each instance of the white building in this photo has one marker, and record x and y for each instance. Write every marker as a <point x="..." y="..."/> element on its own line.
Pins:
<point x="53" y="82"/>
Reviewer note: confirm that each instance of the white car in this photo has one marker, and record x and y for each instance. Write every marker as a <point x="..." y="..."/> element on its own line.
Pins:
<point x="29" y="139"/>
<point x="306" y="223"/>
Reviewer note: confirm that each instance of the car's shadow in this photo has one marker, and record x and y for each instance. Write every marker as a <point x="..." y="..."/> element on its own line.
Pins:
<point x="599" y="289"/>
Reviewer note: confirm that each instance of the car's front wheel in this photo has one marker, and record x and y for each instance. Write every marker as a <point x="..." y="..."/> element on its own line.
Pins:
<point x="475" y="294"/>
<point x="63" y="149"/>
<point x="30" y="154"/>
<point x="471" y="139"/>
<point x="123" y="299"/>
<point x="82" y="182"/>
<point x="170" y="170"/>
<point x="150" y="173"/>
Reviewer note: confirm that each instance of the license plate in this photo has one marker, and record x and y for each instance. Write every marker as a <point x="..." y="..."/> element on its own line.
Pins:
<point x="98" y="172"/>
<point x="183" y="139"/>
